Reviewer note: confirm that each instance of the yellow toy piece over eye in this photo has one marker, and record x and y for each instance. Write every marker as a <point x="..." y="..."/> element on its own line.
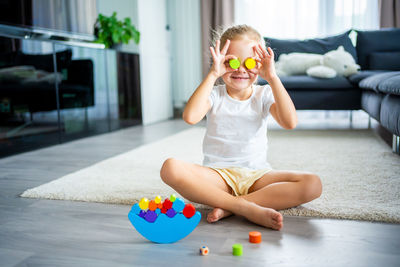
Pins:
<point x="234" y="63"/>
<point x="250" y="63"/>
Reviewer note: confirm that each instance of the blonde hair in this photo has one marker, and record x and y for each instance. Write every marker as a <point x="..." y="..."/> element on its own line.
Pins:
<point x="237" y="32"/>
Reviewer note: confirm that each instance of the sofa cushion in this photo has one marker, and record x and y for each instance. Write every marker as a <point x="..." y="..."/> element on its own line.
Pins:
<point x="307" y="82"/>
<point x="390" y="113"/>
<point x="317" y="45"/>
<point x="384" y="61"/>
<point x="372" y="82"/>
<point x="391" y="85"/>
<point x="327" y="99"/>
<point x="383" y="40"/>
<point x="371" y="103"/>
<point x="356" y="78"/>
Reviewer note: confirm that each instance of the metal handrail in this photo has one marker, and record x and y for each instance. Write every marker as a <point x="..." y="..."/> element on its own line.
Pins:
<point x="46" y="35"/>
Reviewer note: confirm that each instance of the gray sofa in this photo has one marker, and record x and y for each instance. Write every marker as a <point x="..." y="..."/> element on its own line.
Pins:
<point x="375" y="89"/>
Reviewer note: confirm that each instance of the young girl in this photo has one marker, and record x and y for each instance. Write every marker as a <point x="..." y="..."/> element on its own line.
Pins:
<point x="235" y="176"/>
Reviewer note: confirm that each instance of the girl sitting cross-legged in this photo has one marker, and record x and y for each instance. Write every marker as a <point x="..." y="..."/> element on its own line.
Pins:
<point x="235" y="176"/>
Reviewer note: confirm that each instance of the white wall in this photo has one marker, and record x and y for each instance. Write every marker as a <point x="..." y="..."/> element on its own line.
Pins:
<point x="150" y="18"/>
<point x="170" y="61"/>
<point x="185" y="27"/>
<point x="154" y="50"/>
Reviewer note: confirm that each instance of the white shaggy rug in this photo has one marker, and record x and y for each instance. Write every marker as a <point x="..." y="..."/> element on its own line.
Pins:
<point x="360" y="174"/>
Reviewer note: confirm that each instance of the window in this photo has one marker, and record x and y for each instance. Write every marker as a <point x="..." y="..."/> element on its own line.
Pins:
<point x="303" y="19"/>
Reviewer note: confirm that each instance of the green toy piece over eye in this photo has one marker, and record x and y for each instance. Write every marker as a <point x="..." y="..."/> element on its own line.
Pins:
<point x="234" y="63"/>
<point x="250" y="63"/>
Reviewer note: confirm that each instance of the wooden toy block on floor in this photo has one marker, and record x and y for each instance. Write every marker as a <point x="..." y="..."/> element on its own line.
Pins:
<point x="204" y="250"/>
<point x="237" y="250"/>
<point x="254" y="237"/>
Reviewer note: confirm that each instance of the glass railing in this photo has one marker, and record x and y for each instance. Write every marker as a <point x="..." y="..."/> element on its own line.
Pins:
<point x="56" y="87"/>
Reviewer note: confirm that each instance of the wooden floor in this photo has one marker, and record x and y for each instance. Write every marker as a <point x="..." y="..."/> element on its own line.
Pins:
<point x="63" y="233"/>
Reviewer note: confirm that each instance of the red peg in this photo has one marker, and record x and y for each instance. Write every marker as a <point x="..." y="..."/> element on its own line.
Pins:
<point x="167" y="204"/>
<point x="189" y="210"/>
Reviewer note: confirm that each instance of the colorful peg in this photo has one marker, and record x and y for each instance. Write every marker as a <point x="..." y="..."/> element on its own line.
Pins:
<point x="150" y="216"/>
<point x="157" y="199"/>
<point x="152" y="205"/>
<point x="237" y="250"/>
<point x="171" y="213"/>
<point x="164" y="210"/>
<point x="189" y="210"/>
<point x="178" y="205"/>
<point x="250" y="63"/>
<point x="172" y="197"/>
<point x="144" y="203"/>
<point x="234" y="63"/>
<point x="142" y="213"/>
<point x="167" y="204"/>
<point x="254" y="237"/>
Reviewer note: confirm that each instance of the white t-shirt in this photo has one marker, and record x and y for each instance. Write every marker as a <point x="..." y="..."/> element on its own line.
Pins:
<point x="236" y="134"/>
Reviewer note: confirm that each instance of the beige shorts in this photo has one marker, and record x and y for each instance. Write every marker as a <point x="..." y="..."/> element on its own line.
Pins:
<point x="240" y="179"/>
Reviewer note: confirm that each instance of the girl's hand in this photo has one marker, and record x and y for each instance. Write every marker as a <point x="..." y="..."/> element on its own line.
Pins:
<point x="220" y="58"/>
<point x="266" y="64"/>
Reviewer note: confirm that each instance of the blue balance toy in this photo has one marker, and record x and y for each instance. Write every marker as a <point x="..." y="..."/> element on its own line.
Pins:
<point x="165" y="222"/>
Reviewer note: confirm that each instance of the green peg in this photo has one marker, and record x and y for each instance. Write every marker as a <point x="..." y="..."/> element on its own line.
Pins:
<point x="234" y="63"/>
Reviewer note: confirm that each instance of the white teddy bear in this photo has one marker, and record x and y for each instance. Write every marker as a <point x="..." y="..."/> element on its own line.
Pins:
<point x="335" y="62"/>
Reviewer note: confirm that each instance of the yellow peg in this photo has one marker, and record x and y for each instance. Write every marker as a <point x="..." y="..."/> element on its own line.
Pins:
<point x="157" y="199"/>
<point x="144" y="203"/>
<point x="250" y="63"/>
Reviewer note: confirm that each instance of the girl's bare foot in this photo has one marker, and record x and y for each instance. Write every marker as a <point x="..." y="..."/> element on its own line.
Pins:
<point x="217" y="214"/>
<point x="265" y="216"/>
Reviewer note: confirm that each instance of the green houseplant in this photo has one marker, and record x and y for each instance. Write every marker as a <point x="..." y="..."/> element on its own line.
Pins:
<point x="110" y="31"/>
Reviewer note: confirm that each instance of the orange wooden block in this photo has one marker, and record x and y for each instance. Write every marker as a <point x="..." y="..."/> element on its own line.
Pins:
<point x="254" y="237"/>
<point x="152" y="205"/>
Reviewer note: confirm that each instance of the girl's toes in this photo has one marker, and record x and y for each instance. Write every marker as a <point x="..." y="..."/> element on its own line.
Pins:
<point x="277" y="225"/>
<point x="211" y="218"/>
<point x="278" y="217"/>
<point x="277" y="221"/>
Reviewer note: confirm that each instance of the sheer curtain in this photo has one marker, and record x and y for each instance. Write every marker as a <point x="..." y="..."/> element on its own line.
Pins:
<point x="71" y="16"/>
<point x="389" y="13"/>
<point x="301" y="19"/>
<point x="214" y="14"/>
